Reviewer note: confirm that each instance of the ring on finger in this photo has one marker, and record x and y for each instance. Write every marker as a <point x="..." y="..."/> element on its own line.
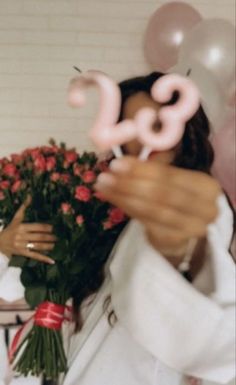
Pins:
<point x="30" y="246"/>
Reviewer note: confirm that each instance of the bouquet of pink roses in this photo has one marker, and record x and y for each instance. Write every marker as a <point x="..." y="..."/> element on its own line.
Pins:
<point x="60" y="183"/>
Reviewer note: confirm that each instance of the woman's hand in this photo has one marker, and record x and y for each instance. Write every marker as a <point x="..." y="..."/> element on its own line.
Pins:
<point x="173" y="204"/>
<point x="16" y="238"/>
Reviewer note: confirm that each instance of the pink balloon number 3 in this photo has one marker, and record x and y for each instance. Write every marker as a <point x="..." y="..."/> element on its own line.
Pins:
<point x="107" y="134"/>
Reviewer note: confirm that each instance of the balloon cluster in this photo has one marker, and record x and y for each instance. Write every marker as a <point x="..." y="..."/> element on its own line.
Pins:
<point x="179" y="40"/>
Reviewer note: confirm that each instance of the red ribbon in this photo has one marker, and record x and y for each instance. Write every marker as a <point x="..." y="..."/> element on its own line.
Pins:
<point x="48" y="315"/>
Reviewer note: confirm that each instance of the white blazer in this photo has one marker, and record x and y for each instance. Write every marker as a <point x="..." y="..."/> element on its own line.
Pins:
<point x="166" y="328"/>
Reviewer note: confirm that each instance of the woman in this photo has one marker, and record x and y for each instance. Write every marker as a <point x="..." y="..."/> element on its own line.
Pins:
<point x="161" y="327"/>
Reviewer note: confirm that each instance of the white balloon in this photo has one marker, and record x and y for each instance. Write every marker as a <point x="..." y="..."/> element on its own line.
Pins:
<point x="211" y="43"/>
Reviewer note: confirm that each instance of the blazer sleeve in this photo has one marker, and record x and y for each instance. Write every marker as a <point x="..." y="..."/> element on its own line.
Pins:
<point x="188" y="327"/>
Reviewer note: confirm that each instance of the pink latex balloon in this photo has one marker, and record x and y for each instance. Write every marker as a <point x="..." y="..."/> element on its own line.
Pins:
<point x="173" y="117"/>
<point x="105" y="133"/>
<point x="166" y="31"/>
<point x="224" y="167"/>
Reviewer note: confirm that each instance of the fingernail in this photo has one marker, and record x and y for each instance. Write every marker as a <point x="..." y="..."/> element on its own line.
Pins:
<point x="104" y="180"/>
<point x="51" y="262"/>
<point x="120" y="165"/>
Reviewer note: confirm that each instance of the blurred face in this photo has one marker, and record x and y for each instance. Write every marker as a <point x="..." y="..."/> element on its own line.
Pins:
<point x="133" y="104"/>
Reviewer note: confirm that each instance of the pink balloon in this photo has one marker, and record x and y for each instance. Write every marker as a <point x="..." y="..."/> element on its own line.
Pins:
<point x="166" y="31"/>
<point x="224" y="167"/>
<point x="107" y="134"/>
<point x="173" y="117"/>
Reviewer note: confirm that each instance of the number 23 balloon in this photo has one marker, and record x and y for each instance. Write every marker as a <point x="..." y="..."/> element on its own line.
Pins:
<point x="107" y="134"/>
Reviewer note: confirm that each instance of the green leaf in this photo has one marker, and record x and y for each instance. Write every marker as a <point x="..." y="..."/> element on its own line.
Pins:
<point x="29" y="277"/>
<point x="76" y="268"/>
<point x="32" y="263"/>
<point x="60" y="251"/>
<point x="35" y="295"/>
<point x="17" y="261"/>
<point x="53" y="273"/>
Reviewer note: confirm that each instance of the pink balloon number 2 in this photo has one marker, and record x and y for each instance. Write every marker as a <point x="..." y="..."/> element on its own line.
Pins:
<point x="173" y="117"/>
<point x="107" y="134"/>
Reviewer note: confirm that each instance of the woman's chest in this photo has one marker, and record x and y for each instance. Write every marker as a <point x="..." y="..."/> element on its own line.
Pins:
<point x="102" y="354"/>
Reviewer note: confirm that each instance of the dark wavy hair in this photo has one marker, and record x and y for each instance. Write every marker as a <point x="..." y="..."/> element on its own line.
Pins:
<point x="194" y="152"/>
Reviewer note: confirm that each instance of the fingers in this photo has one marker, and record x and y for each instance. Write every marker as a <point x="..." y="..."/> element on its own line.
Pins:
<point x="141" y="209"/>
<point x="40" y="246"/>
<point x="194" y="182"/>
<point x="36" y="256"/>
<point x="20" y="247"/>
<point x="28" y="201"/>
<point x="35" y="228"/>
<point x="150" y="194"/>
<point x="36" y="237"/>
<point x="173" y="204"/>
<point x="41" y="238"/>
<point x="19" y="215"/>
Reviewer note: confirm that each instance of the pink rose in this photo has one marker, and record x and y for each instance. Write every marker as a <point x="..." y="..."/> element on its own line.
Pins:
<point x="16" y="186"/>
<point x="40" y="163"/>
<point x="89" y="176"/>
<point x="79" y="220"/>
<point x="10" y="170"/>
<point x="107" y="225"/>
<point x="3" y="161"/>
<point x="2" y="196"/>
<point x="55" y="149"/>
<point x="34" y="153"/>
<point x="17" y="159"/>
<point x="51" y="163"/>
<point x="70" y="156"/>
<point x="116" y="216"/>
<point x="66" y="208"/>
<point x="26" y="153"/>
<point x="65" y="178"/>
<point x="66" y="164"/>
<point x="4" y="185"/>
<point x="46" y="150"/>
<point x="50" y="149"/>
<point x="77" y="169"/>
<point x="82" y="193"/>
<point x="55" y="176"/>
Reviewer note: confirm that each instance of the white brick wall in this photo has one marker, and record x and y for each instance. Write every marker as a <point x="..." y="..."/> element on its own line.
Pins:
<point x="41" y="40"/>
